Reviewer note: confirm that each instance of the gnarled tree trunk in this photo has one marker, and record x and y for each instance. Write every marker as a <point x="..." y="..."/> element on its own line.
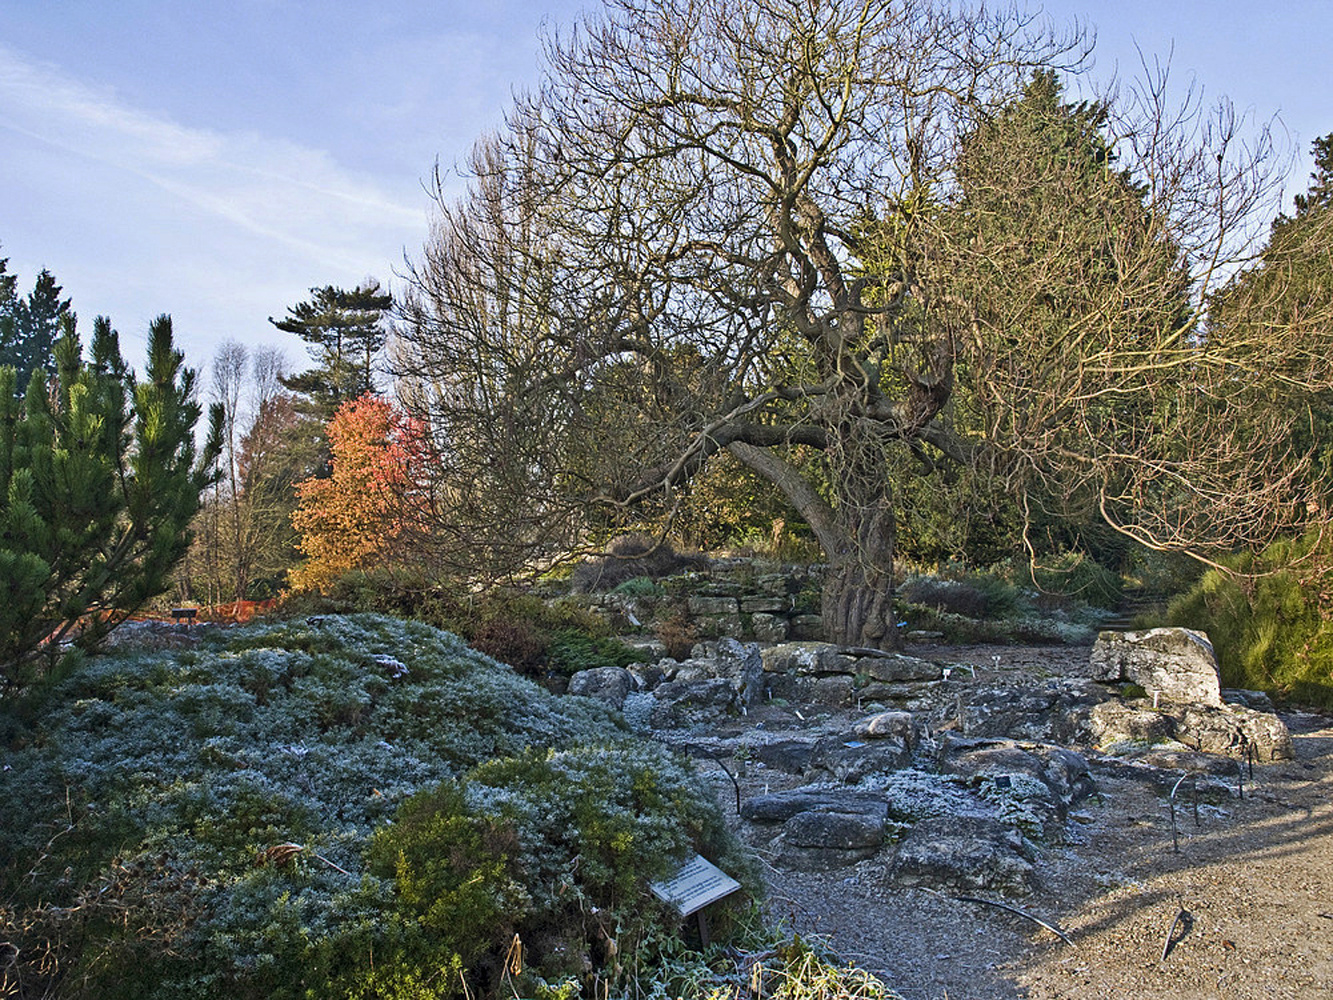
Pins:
<point x="858" y="538"/>
<point x="857" y="602"/>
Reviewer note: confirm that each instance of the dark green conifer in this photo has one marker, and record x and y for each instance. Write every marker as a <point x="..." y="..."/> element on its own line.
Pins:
<point x="345" y="331"/>
<point x="99" y="478"/>
<point x="29" y="326"/>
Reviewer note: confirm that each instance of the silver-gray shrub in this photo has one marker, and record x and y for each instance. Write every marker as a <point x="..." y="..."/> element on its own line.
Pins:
<point x="164" y="781"/>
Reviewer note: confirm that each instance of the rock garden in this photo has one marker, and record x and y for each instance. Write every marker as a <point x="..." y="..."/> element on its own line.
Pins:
<point x="939" y="810"/>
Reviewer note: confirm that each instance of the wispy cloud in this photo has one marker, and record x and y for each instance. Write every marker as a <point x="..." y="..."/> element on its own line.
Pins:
<point x="268" y="187"/>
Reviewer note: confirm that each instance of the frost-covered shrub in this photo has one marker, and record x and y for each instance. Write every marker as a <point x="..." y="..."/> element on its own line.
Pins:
<point x="976" y="596"/>
<point x="201" y="822"/>
<point x="630" y="556"/>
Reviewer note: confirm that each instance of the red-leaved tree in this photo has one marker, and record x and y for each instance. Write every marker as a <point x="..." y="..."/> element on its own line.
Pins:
<point x="364" y="515"/>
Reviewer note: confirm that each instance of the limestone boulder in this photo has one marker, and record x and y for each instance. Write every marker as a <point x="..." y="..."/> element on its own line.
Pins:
<point x="712" y="607"/>
<point x="1057" y="711"/>
<point x="778" y="807"/>
<point x="1229" y="730"/>
<point x="646" y="675"/>
<point x="789" y="755"/>
<point x="742" y="665"/>
<point x="1171" y="664"/>
<point x="1117" y="722"/>
<point x="890" y="668"/>
<point x="807" y="627"/>
<point x="1235" y="731"/>
<point x="897" y="726"/>
<point x="1047" y="779"/>
<point x="691" y="703"/>
<point x="965" y="853"/>
<point x="609" y="684"/>
<point x="834" y="691"/>
<point x="838" y="831"/>
<point x="763" y="604"/>
<point x="769" y="627"/>
<point x="817" y="840"/>
<point x="850" y="761"/>
<point x="807" y="659"/>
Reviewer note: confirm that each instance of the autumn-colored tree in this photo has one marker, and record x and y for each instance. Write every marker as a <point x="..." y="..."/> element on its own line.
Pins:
<point x="365" y="513"/>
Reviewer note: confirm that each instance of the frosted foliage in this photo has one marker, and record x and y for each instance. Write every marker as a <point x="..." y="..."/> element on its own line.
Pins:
<point x="196" y="762"/>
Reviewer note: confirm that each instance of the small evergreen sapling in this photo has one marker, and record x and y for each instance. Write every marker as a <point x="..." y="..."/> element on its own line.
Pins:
<point x="99" y="478"/>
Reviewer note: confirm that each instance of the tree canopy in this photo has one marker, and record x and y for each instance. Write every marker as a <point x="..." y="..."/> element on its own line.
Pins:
<point x="345" y="331"/>
<point x="29" y="325"/>
<point x="858" y="229"/>
<point x="363" y="515"/>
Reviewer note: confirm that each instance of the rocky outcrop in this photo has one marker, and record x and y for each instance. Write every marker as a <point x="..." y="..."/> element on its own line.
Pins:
<point x="1171" y="664"/>
<point x="742" y="665"/>
<point x="1229" y="730"/>
<point x="1116" y="722"/>
<point x="823" y="673"/>
<point x="609" y="684"/>
<point x="965" y="853"/>
<point x="963" y="776"/>
<point x="821" y="829"/>
<point x="1058" y="711"/>
<point x="1036" y="783"/>
<point x="878" y="744"/>
<point x="820" y="841"/>
<point x="717" y="598"/>
<point x="691" y="703"/>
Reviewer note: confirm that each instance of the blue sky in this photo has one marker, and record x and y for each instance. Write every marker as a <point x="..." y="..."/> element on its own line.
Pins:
<point x="216" y="160"/>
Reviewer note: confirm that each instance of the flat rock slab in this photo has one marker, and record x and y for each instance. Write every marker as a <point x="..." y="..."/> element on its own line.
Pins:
<point x="778" y="807"/>
<point x="892" y="668"/>
<point x="963" y="853"/>
<point x="835" y="830"/>
<point x="1230" y="730"/>
<point x="1057" y="711"/>
<point x="852" y="760"/>
<point x="825" y="658"/>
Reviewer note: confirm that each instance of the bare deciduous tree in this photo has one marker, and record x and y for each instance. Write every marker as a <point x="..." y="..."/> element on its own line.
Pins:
<point x="768" y="225"/>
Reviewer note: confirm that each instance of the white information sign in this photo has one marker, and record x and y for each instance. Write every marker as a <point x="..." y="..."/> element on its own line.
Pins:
<point x="696" y="885"/>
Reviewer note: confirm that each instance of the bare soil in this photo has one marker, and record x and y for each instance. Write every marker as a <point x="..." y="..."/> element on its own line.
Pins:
<point x="1247" y="900"/>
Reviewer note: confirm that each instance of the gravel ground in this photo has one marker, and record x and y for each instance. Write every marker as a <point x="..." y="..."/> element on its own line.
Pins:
<point x="1248" y="898"/>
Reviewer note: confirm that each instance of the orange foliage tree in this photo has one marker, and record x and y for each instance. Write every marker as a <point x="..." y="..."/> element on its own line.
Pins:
<point x="366" y="513"/>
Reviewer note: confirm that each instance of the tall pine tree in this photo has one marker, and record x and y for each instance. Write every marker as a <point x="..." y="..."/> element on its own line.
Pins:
<point x="345" y="331"/>
<point x="8" y="303"/>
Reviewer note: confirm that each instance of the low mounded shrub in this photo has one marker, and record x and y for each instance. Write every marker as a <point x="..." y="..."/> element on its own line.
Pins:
<point x="628" y="557"/>
<point x="337" y="807"/>
<point x="638" y="586"/>
<point x="975" y="596"/>
<point x="534" y="636"/>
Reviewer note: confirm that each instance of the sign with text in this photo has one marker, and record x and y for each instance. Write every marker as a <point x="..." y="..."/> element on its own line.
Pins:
<point x="696" y="885"/>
